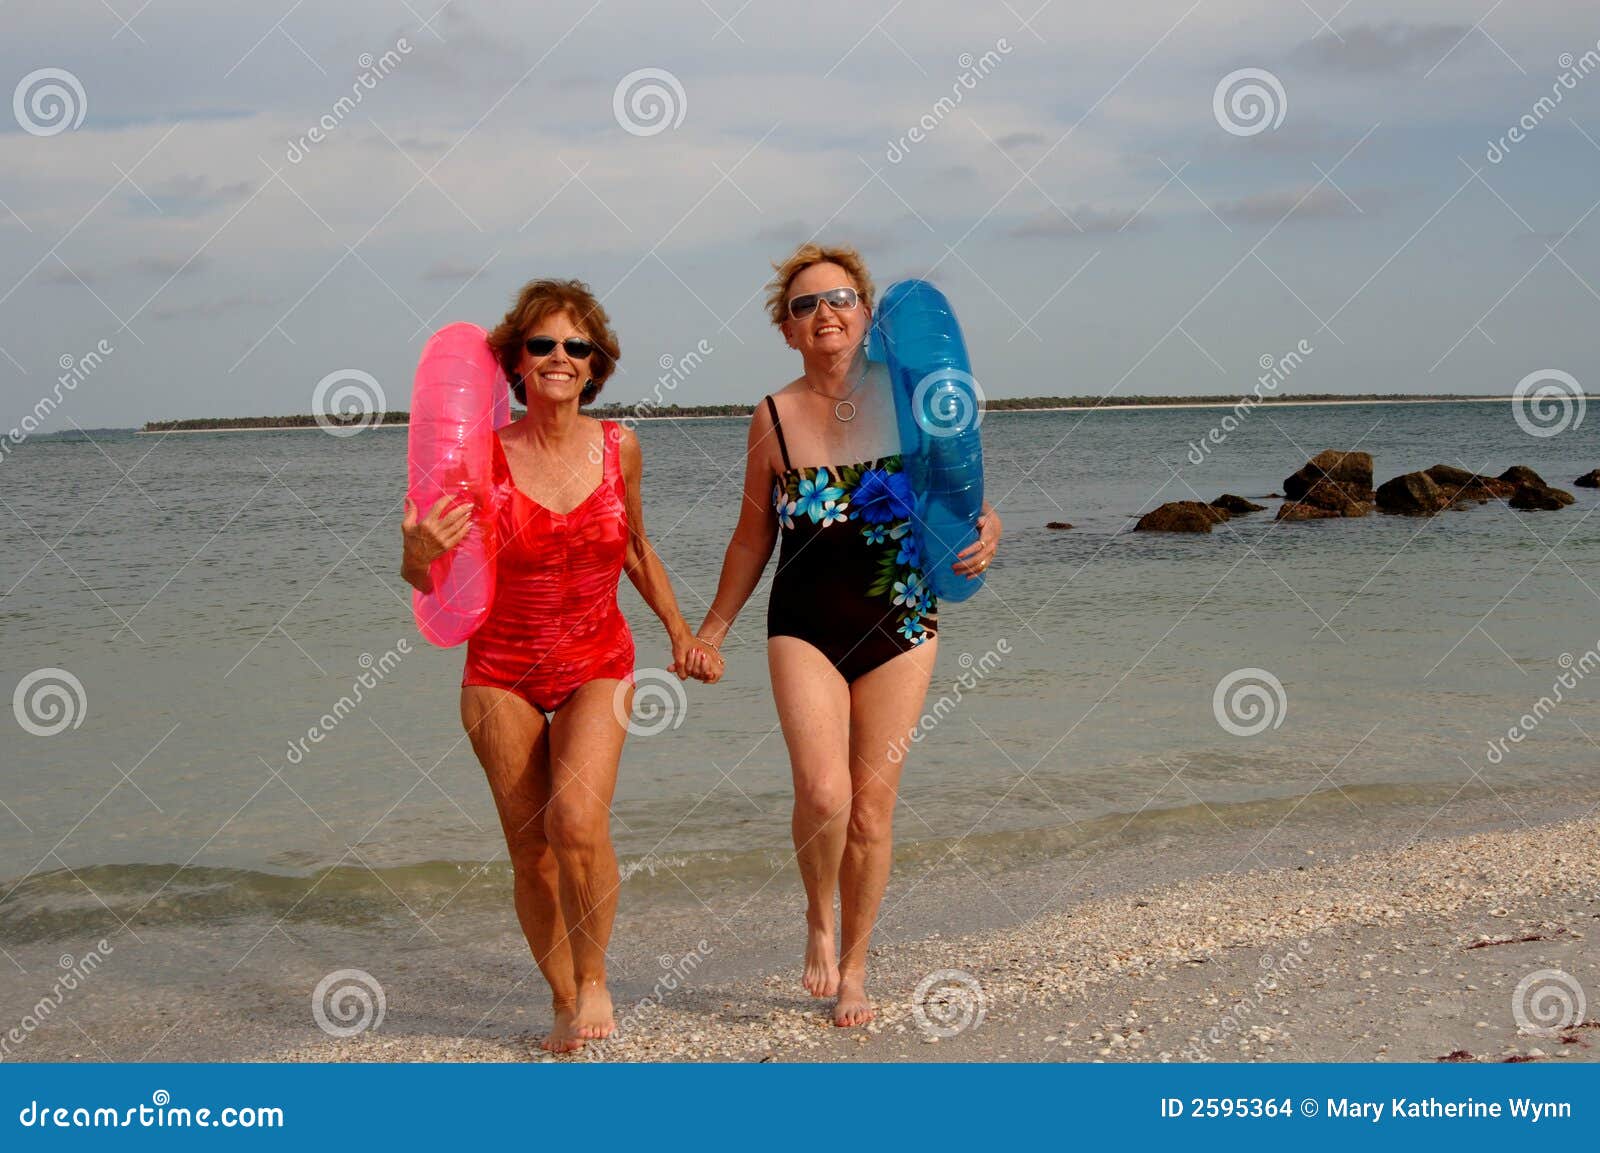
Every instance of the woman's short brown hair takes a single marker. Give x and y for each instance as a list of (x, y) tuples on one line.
[(540, 299), (803, 258)]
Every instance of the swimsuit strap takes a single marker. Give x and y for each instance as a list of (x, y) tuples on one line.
[(611, 469), (777, 427)]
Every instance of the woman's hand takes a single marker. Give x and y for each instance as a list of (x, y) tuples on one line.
[(973, 559), (429, 538), (697, 658)]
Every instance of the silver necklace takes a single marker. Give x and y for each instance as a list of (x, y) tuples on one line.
[(844, 409)]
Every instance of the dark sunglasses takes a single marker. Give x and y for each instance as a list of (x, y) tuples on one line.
[(838, 299), (575, 347)]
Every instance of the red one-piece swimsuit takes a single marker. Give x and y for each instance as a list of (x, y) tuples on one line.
[(554, 624)]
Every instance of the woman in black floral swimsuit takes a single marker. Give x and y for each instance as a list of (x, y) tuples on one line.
[(872, 549), (851, 624)]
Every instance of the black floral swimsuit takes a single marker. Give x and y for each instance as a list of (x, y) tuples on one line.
[(850, 579)]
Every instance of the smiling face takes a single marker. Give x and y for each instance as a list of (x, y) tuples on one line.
[(556, 378), (826, 335)]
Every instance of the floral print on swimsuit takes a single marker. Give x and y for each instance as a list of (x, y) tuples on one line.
[(876, 500)]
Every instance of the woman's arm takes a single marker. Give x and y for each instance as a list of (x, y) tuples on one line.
[(430, 537), (644, 566), (754, 535)]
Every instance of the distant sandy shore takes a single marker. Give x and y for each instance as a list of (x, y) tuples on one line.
[(1223, 403)]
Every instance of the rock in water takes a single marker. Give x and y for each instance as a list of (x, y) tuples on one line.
[(1293, 510), (1351, 469), (1330, 498), (1412, 494), (1231, 504), (1460, 485), (1522, 474), (1057, 524), (1181, 516), (1540, 498), (1589, 480)]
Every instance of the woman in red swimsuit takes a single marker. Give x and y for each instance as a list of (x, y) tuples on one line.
[(547, 690)]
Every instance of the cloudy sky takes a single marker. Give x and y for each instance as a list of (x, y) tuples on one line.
[(1105, 217)]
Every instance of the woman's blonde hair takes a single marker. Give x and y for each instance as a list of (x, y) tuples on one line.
[(803, 258), (537, 301)]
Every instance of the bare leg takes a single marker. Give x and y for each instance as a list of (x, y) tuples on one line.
[(512, 742), (586, 735), (884, 705), (814, 709)]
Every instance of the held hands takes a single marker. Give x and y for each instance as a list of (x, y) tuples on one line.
[(973, 559), (695, 657), (430, 537)]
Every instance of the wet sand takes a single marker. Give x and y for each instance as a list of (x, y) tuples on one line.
[(1400, 936)]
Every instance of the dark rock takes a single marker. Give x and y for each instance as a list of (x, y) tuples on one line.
[(1181, 516), (1293, 510), (1522, 474), (1540, 498), (1412, 494), (1589, 480), (1450, 475), (1229, 503), (1057, 524), (1343, 499), (1460, 485), (1352, 470)]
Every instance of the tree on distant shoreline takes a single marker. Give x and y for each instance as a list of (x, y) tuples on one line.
[(649, 411)]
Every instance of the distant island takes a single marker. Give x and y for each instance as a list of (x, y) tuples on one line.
[(645, 410)]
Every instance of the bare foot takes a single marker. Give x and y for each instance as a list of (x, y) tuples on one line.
[(593, 1019), (853, 1007), (821, 977), (562, 1038)]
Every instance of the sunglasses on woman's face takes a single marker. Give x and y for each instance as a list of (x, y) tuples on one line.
[(838, 299), (575, 347)]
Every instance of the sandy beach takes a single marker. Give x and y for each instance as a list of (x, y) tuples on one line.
[(1412, 954), (1315, 936)]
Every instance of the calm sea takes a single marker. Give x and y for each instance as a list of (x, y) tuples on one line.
[(215, 595)]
